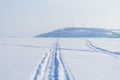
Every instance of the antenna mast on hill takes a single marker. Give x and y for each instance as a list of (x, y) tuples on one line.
[(83, 25), (72, 22)]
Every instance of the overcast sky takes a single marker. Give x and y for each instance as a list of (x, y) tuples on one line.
[(32, 17)]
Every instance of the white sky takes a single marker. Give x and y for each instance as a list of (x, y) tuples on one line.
[(32, 17)]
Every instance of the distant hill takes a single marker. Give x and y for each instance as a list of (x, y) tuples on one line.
[(74, 32)]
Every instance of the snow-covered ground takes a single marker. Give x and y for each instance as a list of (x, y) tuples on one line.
[(87, 59)]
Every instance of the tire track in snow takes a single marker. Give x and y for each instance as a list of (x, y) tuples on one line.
[(34, 46), (48, 73), (95, 48), (30, 46), (52, 67), (65, 67), (40, 66)]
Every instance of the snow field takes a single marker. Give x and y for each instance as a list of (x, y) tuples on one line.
[(20, 63)]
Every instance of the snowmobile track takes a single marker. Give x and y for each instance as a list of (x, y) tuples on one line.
[(98, 49), (52, 66)]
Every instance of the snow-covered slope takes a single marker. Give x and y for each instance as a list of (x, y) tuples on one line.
[(82, 32)]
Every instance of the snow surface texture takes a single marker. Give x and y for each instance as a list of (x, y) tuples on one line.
[(86, 59)]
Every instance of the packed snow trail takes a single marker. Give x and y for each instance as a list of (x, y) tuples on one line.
[(95, 48), (52, 66)]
